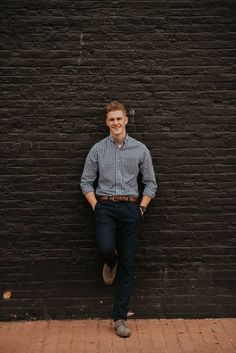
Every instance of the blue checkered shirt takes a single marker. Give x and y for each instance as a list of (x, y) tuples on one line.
[(118, 168)]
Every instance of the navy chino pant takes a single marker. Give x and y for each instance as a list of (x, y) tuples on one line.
[(117, 225)]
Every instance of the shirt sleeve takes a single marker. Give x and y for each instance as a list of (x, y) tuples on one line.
[(90, 171), (148, 174)]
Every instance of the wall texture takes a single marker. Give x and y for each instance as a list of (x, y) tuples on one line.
[(172, 63)]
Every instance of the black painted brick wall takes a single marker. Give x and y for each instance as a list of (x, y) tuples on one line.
[(172, 63)]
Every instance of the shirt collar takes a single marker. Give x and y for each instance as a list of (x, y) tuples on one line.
[(110, 138)]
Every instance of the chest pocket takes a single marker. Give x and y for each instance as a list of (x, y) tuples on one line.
[(130, 166)]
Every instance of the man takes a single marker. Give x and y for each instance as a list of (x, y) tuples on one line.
[(116, 161)]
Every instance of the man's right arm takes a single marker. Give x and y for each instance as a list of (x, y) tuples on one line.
[(91, 198), (89, 175)]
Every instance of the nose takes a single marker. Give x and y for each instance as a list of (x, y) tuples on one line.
[(116, 121)]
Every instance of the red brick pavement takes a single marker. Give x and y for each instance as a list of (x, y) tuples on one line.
[(97, 336)]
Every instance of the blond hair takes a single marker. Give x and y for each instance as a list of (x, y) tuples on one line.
[(113, 106)]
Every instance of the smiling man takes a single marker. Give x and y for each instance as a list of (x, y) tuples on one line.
[(117, 161)]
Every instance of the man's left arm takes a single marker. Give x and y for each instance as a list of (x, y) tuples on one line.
[(148, 179)]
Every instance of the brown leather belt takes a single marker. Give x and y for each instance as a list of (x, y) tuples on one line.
[(118, 198)]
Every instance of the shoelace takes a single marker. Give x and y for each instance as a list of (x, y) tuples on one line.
[(109, 269), (122, 323)]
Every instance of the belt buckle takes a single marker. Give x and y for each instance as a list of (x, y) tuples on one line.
[(115, 198)]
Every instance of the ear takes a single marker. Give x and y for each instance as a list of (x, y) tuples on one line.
[(126, 120)]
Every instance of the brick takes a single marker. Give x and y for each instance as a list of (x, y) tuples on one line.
[(86, 336)]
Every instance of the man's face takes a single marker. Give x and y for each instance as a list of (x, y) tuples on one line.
[(116, 121)]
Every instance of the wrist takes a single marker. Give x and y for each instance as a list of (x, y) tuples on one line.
[(143, 208), (94, 205)]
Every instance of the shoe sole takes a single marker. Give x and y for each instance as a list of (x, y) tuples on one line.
[(123, 336)]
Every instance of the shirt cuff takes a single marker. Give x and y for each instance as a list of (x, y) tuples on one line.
[(86, 188)]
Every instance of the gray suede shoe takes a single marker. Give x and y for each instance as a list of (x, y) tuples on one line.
[(122, 329), (108, 274)]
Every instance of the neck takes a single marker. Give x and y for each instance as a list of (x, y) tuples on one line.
[(120, 138), (119, 141)]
